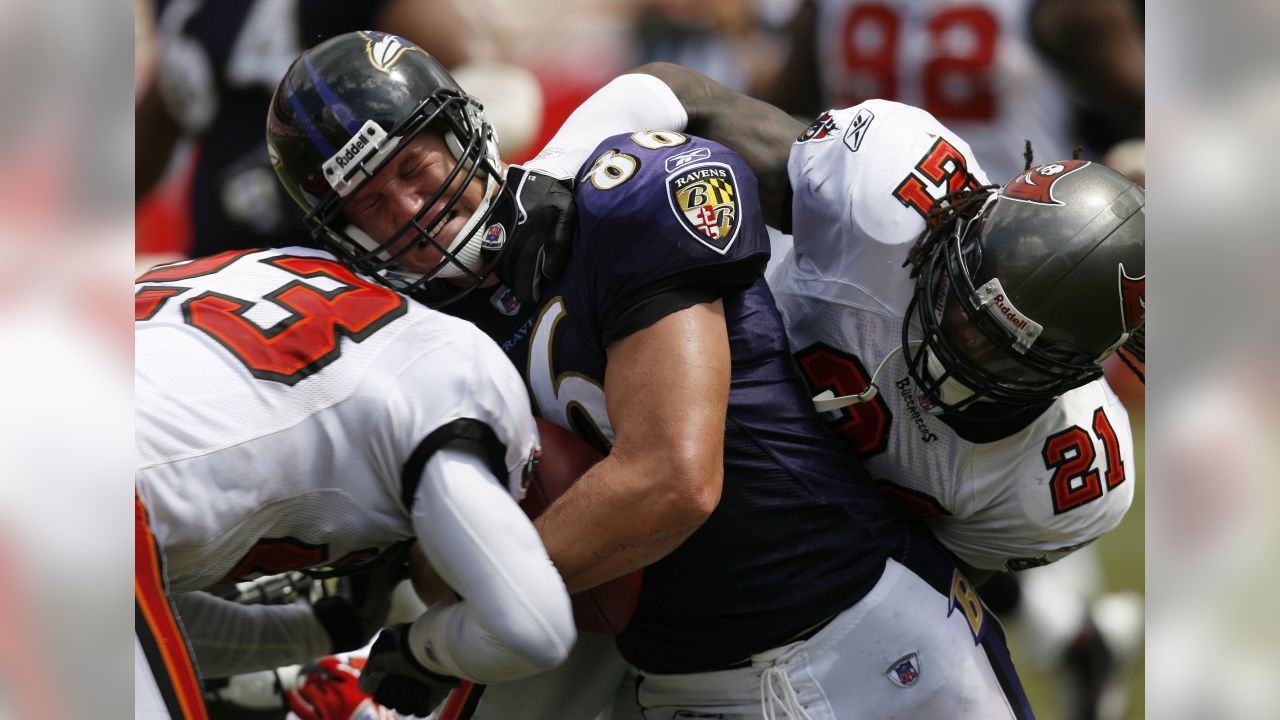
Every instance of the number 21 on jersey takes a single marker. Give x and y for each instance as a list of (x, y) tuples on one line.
[(1070, 455)]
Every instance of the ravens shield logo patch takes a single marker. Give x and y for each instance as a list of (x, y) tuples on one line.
[(705, 199)]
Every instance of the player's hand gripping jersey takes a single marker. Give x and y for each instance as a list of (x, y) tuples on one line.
[(284, 418), (862, 184)]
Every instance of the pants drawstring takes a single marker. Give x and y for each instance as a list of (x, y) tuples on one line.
[(776, 693)]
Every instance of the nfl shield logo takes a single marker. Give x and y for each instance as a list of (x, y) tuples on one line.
[(494, 237), (505, 301), (905, 671)]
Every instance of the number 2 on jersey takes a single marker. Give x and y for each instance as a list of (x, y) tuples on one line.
[(1070, 455)]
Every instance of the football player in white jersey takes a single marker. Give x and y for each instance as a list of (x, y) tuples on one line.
[(962, 363), (997, 72), (295, 415)]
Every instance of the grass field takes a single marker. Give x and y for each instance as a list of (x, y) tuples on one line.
[(1122, 553)]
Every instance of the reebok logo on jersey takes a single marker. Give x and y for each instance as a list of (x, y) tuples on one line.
[(704, 199), (858, 129), (676, 162), (824, 128), (1036, 185)]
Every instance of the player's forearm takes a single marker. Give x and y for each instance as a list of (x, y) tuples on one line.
[(759, 132), (229, 638), (514, 618), (620, 517)]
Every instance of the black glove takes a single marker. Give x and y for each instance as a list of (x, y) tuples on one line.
[(363, 601), (540, 219), (395, 678)]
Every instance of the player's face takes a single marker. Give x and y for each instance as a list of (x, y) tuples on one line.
[(401, 189), (978, 350)]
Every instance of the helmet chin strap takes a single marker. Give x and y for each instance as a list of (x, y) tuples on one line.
[(467, 257), (951, 391), (826, 401)]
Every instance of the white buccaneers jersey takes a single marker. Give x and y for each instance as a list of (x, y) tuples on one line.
[(860, 192), (286, 406), (970, 63)]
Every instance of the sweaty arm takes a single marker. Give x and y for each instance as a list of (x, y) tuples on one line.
[(666, 392), (514, 618), (684, 100)]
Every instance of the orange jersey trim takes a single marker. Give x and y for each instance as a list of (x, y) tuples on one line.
[(157, 628)]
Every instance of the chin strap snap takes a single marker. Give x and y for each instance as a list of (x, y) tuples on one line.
[(826, 401)]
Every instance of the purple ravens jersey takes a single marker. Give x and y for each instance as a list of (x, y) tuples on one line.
[(667, 221)]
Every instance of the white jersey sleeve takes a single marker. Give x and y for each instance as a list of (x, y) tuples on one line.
[(514, 618), (862, 180), (285, 407), (861, 185)]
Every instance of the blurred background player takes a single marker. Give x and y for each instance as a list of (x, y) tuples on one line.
[(997, 72), (741, 43), (216, 64)]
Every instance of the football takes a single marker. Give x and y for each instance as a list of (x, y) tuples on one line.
[(605, 609)]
